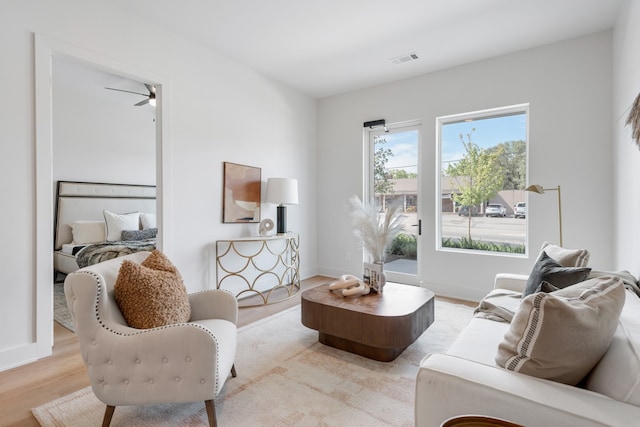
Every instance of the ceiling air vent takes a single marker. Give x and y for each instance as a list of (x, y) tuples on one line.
[(405, 58)]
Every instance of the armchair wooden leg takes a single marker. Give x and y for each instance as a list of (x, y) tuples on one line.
[(108, 414), (211, 412), (233, 370)]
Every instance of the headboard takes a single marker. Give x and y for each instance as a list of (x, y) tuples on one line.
[(86, 201)]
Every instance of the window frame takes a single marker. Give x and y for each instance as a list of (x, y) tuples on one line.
[(469, 117)]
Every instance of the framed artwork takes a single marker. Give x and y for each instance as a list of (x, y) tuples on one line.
[(241, 199)]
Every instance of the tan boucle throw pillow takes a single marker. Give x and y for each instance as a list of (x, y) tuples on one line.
[(151, 294), (562, 335)]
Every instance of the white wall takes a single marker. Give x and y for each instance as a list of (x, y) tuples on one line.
[(568, 86), (218, 111), (626, 209), (98, 135)]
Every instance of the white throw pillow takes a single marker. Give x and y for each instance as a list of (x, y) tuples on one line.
[(566, 257), (117, 222), (85, 232), (561, 336), (148, 220)]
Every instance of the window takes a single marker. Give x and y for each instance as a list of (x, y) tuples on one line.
[(482, 177)]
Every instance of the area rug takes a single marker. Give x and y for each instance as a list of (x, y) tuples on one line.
[(61, 312), (286, 378)]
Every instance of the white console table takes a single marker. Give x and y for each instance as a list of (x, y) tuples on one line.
[(259, 270)]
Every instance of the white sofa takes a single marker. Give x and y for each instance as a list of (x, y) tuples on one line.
[(467, 380)]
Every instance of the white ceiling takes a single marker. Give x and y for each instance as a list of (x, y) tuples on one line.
[(326, 47)]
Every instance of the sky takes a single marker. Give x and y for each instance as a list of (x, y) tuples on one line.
[(488, 132)]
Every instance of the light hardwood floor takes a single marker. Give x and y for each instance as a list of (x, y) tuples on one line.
[(63, 372)]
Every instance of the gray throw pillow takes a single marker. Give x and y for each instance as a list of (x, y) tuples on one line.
[(148, 233), (546, 269)]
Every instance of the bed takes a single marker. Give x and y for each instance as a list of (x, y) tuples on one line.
[(99, 221)]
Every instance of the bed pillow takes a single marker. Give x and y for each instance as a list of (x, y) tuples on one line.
[(566, 257), (151, 294), (116, 223), (561, 336), (149, 233), (147, 220), (86, 232), (546, 269)]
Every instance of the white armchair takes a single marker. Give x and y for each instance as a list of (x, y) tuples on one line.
[(183, 362)]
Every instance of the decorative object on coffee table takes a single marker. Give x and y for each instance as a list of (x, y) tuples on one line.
[(376, 232), (350, 285), (376, 326)]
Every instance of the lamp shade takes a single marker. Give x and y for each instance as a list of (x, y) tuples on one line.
[(282, 191)]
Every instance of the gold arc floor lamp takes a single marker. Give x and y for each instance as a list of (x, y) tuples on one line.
[(538, 189)]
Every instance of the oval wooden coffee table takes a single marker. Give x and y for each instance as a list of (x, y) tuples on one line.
[(377, 326)]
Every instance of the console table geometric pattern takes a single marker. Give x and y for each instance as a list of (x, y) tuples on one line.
[(259, 270)]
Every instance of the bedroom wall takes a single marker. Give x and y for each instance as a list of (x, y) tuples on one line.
[(219, 111), (99, 136), (626, 209), (568, 86)]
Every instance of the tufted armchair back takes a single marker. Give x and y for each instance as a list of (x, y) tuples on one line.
[(183, 362)]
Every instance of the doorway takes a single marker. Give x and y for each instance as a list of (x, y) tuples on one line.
[(46, 50), (394, 170)]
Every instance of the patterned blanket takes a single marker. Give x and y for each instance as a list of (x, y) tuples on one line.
[(500, 305), (99, 252)]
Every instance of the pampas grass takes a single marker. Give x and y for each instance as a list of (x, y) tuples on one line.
[(375, 231), (634, 120)]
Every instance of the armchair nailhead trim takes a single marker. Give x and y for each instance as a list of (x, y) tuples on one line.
[(100, 286)]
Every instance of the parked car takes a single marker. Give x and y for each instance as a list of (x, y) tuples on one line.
[(495, 209), (464, 211), (520, 211)]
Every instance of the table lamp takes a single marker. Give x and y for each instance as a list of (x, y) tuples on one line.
[(282, 191)]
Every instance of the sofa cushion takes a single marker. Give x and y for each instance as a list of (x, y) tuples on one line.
[(562, 335), (151, 294), (566, 257), (478, 341), (547, 269), (617, 375)]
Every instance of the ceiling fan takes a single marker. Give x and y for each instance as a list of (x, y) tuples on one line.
[(151, 96)]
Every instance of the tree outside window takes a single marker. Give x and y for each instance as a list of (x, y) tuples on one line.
[(482, 171)]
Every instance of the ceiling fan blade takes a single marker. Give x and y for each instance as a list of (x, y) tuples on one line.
[(128, 91), (144, 101)]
